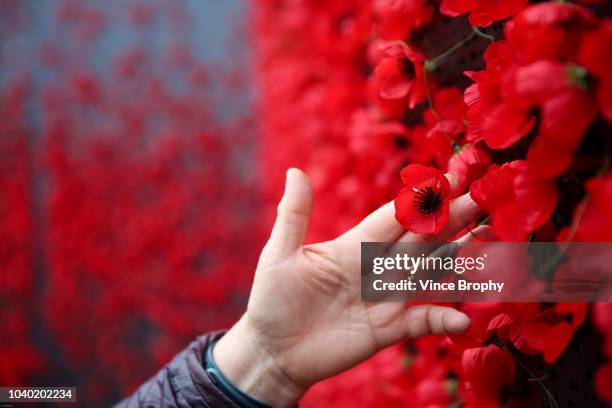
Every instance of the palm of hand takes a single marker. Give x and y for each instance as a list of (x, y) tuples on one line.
[(306, 307)]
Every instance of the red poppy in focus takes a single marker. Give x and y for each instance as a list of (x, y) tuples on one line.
[(400, 75), (470, 164), (422, 205), (483, 12), (518, 201)]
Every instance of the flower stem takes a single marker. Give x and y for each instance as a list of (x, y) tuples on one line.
[(551, 398), (432, 64), (428, 93), (482, 34)]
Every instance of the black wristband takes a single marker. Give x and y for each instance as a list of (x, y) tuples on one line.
[(225, 385)]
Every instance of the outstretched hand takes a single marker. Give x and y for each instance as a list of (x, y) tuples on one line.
[(305, 320)]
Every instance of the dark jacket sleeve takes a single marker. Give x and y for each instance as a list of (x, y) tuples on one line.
[(182, 383)]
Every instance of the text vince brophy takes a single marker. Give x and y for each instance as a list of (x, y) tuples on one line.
[(431, 285)]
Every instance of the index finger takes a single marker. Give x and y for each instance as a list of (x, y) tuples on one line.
[(379, 226)]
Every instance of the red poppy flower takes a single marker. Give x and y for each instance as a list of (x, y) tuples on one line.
[(448, 105), (483, 12), (400, 75), (518, 202), (505, 124), (443, 136), (487, 371), (562, 95), (603, 382), (552, 330), (549, 30), (398, 18), (602, 316), (422, 205), (470, 164), (558, 94), (494, 320), (548, 158), (602, 320), (484, 96), (596, 57), (592, 216)]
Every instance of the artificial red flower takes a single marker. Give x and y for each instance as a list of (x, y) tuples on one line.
[(505, 124), (548, 30), (484, 96), (548, 158), (603, 382), (380, 148), (596, 57), (400, 75), (442, 139), (493, 322), (551, 331), (398, 18), (422, 205), (602, 317), (592, 218), (518, 202), (447, 104), (528, 328), (435, 392), (487, 372), (602, 320), (562, 95), (427, 153), (483, 12), (556, 94), (469, 164)]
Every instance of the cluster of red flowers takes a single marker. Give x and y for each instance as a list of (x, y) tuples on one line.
[(21, 359), (358, 93), (128, 209)]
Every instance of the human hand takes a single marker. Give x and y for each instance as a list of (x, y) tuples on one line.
[(305, 320)]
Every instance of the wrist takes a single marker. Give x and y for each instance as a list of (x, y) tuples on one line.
[(250, 366)]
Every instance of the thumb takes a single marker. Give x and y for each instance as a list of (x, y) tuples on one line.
[(293, 216)]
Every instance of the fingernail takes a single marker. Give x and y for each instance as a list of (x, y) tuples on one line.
[(453, 179), (471, 204), (458, 322), (290, 177), (292, 171)]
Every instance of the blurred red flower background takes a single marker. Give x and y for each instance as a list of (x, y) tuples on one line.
[(137, 188)]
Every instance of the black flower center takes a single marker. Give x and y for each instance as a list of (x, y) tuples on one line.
[(427, 200), (407, 67), (400, 142)]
